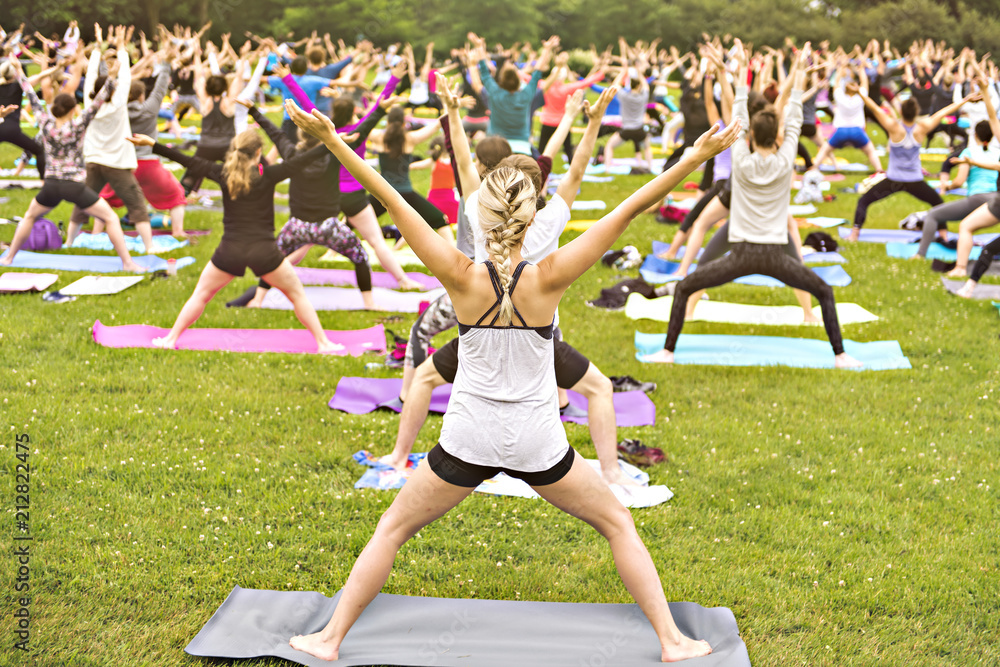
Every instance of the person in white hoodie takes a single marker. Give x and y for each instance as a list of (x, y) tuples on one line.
[(110, 158)]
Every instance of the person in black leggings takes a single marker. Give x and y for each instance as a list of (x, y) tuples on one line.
[(10, 124)]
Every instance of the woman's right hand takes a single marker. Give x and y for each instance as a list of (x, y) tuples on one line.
[(141, 140)]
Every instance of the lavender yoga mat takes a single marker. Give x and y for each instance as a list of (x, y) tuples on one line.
[(358, 395), (310, 276), (354, 343), (345, 298)]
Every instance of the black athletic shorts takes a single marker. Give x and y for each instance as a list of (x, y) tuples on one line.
[(56, 190), (993, 206), (726, 196), (456, 471), (352, 203), (808, 130), (636, 136), (570, 365), (261, 257)]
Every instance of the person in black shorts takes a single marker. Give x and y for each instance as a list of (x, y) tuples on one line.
[(248, 229)]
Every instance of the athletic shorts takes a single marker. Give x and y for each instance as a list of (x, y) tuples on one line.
[(352, 203), (726, 196), (808, 130), (235, 258), (993, 206), (56, 190), (849, 136), (636, 136), (160, 188), (570, 365), (469, 475)]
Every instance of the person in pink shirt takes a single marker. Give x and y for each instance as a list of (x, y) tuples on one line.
[(557, 89)]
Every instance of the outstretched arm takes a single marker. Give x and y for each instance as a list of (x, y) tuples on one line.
[(570, 185), (439, 255), (468, 176), (568, 263)]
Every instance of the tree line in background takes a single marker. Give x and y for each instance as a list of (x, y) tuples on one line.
[(973, 23)]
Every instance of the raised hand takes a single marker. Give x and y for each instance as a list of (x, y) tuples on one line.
[(317, 124), (714, 142), (449, 98), (140, 140), (596, 111)]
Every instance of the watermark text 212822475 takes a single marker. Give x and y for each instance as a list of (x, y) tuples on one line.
[(22, 542)]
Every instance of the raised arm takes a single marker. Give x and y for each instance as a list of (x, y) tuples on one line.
[(570, 184), (197, 167), (285, 146), (439, 255), (569, 262), (929, 123), (468, 176), (416, 137)]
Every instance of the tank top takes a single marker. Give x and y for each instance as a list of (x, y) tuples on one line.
[(442, 176), (504, 406), (904, 159), (396, 171), (10, 94), (217, 129)]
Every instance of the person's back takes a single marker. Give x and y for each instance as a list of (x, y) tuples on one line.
[(904, 158)]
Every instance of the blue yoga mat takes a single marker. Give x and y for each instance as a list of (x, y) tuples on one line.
[(935, 251), (811, 258), (907, 236), (132, 243), (656, 270), (721, 350), (91, 263)]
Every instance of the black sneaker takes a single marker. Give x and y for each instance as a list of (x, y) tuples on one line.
[(629, 383)]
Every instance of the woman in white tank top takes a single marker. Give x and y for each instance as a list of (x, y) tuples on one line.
[(506, 416)]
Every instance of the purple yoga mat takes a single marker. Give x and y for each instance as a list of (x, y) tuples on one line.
[(358, 395), (354, 343), (166, 232), (310, 276), (348, 298)]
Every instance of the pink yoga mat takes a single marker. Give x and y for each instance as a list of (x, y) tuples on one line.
[(354, 343), (26, 282), (347, 277), (359, 395)]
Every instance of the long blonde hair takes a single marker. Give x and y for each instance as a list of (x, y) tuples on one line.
[(240, 169), (506, 208)]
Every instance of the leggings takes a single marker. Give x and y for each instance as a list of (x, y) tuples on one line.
[(332, 234), (939, 217), (804, 154), (547, 132), (888, 187), (25, 143), (709, 195), (437, 317), (745, 259), (431, 214), (990, 250)]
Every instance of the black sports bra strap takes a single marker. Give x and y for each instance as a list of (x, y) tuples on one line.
[(517, 276), (497, 288)]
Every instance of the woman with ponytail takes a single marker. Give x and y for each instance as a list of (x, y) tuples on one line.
[(248, 228), (504, 413)]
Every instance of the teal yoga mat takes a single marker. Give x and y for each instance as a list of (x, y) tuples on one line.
[(935, 251), (91, 263), (723, 350)]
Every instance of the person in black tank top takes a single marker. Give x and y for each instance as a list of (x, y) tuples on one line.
[(10, 124)]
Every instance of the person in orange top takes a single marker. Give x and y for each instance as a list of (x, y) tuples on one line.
[(442, 192), (558, 88)]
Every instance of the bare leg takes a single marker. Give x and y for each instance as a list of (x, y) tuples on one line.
[(145, 230), (869, 150), (258, 298), (981, 218), (609, 149), (103, 212), (212, 279), (424, 498), (72, 231), (297, 255), (417, 403), (597, 389), (177, 223), (679, 238), (367, 224), (647, 151), (710, 215), (582, 494), (805, 302), (23, 231), (285, 279)]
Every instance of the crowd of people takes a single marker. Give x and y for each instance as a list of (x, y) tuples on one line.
[(486, 228)]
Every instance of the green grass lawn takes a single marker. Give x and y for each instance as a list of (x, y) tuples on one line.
[(847, 518)]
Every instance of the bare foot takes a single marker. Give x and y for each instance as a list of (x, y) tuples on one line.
[(314, 645), (618, 477), (132, 267), (661, 357), (854, 235), (399, 465), (165, 343), (666, 254), (7, 260), (371, 305), (256, 301), (684, 649), (327, 347), (181, 236), (967, 289), (958, 272), (809, 317), (407, 283), (844, 360)]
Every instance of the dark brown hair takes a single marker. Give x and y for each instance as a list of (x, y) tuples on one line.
[(489, 152), (508, 78), (764, 126), (62, 105)]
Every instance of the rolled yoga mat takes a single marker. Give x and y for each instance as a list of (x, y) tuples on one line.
[(348, 298), (26, 282), (91, 263), (656, 270), (384, 477), (100, 285), (310, 276), (981, 291), (454, 632), (639, 307), (720, 350), (354, 343), (360, 395), (134, 244), (809, 256)]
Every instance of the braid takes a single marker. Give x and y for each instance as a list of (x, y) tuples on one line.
[(506, 207)]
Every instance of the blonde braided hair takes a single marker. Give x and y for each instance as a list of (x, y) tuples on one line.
[(506, 208)]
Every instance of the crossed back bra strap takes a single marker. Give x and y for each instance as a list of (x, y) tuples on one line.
[(498, 290)]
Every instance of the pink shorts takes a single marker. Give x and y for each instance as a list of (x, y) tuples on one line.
[(159, 186), (446, 202)]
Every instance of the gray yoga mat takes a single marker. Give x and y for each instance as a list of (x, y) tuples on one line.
[(981, 291), (417, 631)]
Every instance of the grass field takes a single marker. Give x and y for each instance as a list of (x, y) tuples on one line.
[(847, 518)]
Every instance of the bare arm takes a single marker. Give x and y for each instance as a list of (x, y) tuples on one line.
[(468, 176), (570, 184)]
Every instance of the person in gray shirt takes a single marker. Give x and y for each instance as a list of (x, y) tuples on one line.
[(633, 100)]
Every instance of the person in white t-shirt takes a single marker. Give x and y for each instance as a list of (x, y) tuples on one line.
[(849, 118)]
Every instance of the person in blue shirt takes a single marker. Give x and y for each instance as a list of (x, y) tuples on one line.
[(310, 83)]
